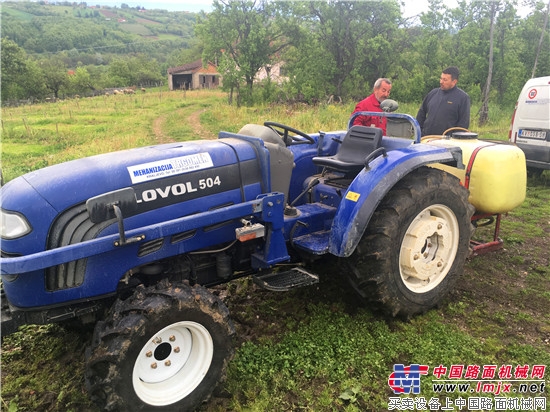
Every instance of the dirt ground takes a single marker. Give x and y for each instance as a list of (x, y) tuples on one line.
[(193, 120), (501, 301), (504, 294), (501, 295), (499, 287)]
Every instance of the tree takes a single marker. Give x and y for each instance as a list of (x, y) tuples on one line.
[(21, 77), (79, 82), (134, 70), (528, 35), (146, 71), (541, 39), (435, 44), (328, 48), (484, 111), (245, 33), (346, 43), (13, 60), (55, 74), (119, 73), (232, 77), (508, 68)]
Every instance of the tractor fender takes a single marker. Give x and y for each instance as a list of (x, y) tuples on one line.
[(373, 183)]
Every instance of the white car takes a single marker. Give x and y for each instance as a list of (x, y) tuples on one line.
[(530, 127)]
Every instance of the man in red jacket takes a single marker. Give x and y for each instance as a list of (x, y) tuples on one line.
[(381, 91)]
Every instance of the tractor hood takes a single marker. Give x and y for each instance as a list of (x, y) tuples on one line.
[(47, 208), (149, 168)]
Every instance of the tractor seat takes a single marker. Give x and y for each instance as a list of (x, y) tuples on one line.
[(265, 133), (359, 142), (281, 159)]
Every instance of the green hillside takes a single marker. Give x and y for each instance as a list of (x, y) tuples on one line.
[(333, 50), (79, 30)]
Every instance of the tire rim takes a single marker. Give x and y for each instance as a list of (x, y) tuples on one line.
[(429, 248), (172, 363)]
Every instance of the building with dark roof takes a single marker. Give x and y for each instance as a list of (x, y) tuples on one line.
[(193, 76)]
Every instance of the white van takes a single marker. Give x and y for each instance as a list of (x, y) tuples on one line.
[(530, 128)]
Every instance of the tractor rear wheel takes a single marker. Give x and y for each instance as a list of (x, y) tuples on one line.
[(163, 349), (415, 245)]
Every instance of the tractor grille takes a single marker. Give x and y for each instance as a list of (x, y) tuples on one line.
[(72, 226), (180, 237), (150, 247)]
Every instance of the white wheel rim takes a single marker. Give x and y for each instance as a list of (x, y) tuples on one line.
[(172, 363), (429, 248)]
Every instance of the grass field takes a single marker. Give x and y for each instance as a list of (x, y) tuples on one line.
[(311, 349)]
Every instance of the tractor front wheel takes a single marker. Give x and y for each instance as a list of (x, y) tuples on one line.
[(163, 349), (415, 245)]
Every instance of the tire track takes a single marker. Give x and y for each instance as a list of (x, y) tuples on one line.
[(193, 120)]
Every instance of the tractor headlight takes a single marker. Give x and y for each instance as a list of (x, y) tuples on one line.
[(14, 225)]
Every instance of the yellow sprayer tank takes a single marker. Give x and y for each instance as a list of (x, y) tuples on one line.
[(495, 171)]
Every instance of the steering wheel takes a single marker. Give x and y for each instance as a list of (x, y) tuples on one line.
[(283, 131), (451, 129), (431, 137)]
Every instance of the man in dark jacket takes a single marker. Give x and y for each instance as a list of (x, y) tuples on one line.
[(444, 107)]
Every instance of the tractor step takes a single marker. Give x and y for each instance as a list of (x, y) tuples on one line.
[(284, 281), (316, 242)]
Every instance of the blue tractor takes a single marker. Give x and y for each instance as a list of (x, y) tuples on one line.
[(132, 241)]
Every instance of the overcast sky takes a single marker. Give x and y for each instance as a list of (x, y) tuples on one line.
[(412, 7)]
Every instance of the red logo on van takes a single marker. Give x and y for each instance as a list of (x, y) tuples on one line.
[(532, 93)]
